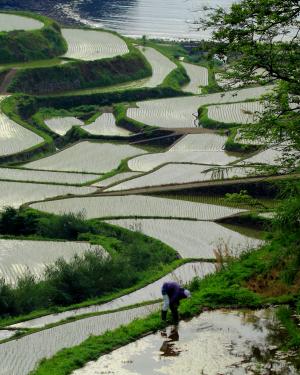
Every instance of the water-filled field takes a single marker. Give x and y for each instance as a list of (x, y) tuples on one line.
[(136, 205), (161, 66), (200, 142), (11, 22), (271, 156), (17, 193), (172, 174), (198, 77), (105, 124), (151, 292), (216, 342), (197, 239), (19, 256), (20, 356), (61, 125), (87, 157), (146, 163), (239, 113), (182, 112), (14, 137), (93, 45), (116, 178), (15, 174)]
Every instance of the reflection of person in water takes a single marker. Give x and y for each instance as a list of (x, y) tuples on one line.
[(168, 348), (172, 293)]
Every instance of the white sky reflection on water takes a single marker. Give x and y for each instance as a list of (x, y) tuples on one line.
[(168, 19)]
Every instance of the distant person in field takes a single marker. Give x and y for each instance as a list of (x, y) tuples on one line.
[(172, 294)]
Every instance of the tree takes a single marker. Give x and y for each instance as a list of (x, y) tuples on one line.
[(261, 40)]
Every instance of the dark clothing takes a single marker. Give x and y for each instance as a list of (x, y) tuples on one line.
[(174, 292)]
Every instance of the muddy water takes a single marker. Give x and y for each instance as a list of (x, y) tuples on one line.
[(219, 342)]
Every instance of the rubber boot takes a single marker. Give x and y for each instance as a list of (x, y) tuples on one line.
[(163, 315)]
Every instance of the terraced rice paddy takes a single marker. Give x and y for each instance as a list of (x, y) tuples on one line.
[(20, 356), (146, 163), (17, 193), (116, 178), (61, 125), (173, 174), (216, 342), (14, 137), (91, 45), (17, 257), (106, 125), (136, 205), (198, 77), (161, 66), (87, 157), (197, 239), (5, 334), (270, 156), (182, 112), (11, 22), (240, 138), (14, 174), (194, 148), (200, 142), (151, 292), (238, 113)]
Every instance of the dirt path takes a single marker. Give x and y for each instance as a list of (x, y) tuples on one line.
[(7, 80)]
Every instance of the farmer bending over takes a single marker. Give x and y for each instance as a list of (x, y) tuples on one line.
[(172, 294)]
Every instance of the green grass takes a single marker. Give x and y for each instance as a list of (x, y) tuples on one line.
[(42, 44), (227, 288), (33, 64), (285, 316), (79, 75), (9, 108)]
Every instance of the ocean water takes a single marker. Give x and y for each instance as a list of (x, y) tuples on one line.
[(166, 19)]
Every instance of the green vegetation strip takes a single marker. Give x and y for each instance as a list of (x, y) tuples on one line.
[(82, 74), (9, 107), (22, 46), (224, 289)]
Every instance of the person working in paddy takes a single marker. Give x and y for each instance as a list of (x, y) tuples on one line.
[(172, 293)]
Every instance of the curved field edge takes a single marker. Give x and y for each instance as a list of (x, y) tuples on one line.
[(78, 75), (22, 109), (153, 275), (227, 288), (9, 107), (40, 44)]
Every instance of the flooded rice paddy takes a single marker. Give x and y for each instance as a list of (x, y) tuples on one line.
[(217, 342), (14, 137), (197, 239), (20, 356), (87, 157), (18, 257), (136, 206), (17, 193), (183, 274)]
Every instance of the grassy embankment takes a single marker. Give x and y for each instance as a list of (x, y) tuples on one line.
[(231, 130), (134, 261), (41, 44), (269, 275), (200, 55), (9, 107), (77, 75)]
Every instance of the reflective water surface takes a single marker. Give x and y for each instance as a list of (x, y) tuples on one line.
[(169, 19), (217, 342)]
